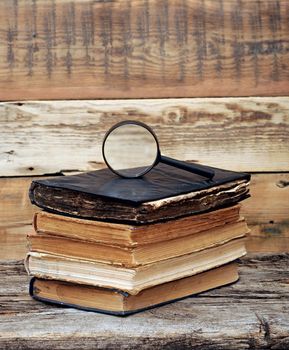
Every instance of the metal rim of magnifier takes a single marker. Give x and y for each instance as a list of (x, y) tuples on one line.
[(131, 122)]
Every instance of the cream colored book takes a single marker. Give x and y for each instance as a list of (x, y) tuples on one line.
[(132, 280)]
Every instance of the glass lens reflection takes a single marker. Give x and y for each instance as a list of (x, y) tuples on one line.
[(130, 147)]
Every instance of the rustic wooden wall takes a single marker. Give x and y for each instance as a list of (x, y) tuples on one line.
[(243, 134), (143, 48), (211, 49)]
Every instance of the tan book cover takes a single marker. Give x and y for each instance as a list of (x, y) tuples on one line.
[(129, 234), (138, 255)]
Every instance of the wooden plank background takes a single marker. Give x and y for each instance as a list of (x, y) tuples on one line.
[(266, 211), (234, 56), (242, 134), (143, 48), (146, 48)]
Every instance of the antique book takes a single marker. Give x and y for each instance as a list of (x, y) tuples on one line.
[(165, 192), (138, 255), (118, 302), (130, 235), (132, 280)]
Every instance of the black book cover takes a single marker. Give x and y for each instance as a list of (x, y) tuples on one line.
[(92, 194)]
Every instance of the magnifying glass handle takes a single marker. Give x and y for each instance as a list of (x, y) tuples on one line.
[(193, 168)]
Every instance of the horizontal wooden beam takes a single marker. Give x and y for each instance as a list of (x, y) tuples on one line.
[(143, 48), (266, 212), (245, 134), (268, 205)]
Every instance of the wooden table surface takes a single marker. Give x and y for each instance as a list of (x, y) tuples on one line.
[(250, 314)]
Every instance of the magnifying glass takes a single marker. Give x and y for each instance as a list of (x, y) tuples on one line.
[(131, 149)]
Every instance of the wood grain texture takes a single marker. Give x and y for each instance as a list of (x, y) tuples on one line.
[(269, 243), (143, 48), (13, 242), (15, 207), (16, 214), (251, 314), (268, 205), (245, 134), (266, 213), (269, 202)]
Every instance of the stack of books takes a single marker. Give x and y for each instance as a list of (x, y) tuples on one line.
[(119, 246)]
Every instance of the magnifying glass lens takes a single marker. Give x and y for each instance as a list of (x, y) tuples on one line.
[(130, 150)]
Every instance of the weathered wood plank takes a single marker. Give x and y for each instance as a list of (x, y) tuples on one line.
[(268, 205), (13, 242), (266, 212), (269, 243), (143, 48), (15, 207), (246, 134), (269, 201), (251, 314)]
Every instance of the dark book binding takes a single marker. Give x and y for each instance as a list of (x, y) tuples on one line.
[(102, 188)]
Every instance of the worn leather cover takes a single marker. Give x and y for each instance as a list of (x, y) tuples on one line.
[(161, 182)]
